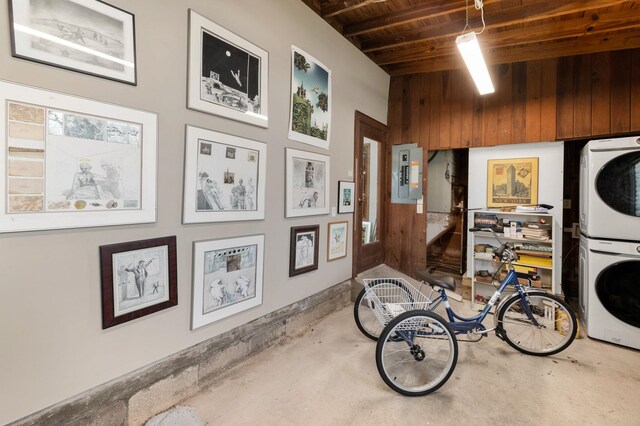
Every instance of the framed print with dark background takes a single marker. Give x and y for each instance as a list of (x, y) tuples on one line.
[(138, 278), (303, 252), (88, 36), (228, 75)]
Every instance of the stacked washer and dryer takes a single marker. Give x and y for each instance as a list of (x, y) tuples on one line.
[(610, 240)]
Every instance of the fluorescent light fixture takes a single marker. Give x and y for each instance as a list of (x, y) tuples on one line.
[(472, 55)]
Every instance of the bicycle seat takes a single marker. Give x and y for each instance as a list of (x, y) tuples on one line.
[(442, 281)]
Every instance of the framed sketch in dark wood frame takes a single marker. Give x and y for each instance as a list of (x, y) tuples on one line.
[(88, 36), (303, 253), (346, 196), (138, 278)]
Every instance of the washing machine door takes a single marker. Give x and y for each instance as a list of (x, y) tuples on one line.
[(618, 184), (618, 289)]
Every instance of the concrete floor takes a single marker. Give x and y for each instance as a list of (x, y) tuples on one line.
[(328, 376)]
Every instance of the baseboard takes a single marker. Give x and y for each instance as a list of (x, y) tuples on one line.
[(137, 396)]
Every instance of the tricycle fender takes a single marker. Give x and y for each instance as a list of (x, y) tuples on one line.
[(515, 295)]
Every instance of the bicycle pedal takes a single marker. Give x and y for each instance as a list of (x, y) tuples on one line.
[(501, 333)]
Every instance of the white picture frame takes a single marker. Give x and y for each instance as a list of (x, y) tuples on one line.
[(310, 85), (70, 162), (228, 75), (224, 177), (337, 240), (346, 196), (219, 292), (88, 36), (307, 183)]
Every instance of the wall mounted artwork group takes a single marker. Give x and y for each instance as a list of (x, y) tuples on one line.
[(70, 162)]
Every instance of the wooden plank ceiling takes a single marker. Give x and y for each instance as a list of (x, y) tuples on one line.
[(415, 36)]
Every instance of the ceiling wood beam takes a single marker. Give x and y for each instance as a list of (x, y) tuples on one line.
[(541, 9), (334, 8), (416, 13), (547, 31), (530, 52)]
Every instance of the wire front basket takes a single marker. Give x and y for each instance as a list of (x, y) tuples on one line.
[(389, 297)]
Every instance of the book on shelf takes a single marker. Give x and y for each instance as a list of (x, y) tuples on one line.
[(534, 253), (546, 262)]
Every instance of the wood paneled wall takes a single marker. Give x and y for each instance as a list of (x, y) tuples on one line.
[(567, 98)]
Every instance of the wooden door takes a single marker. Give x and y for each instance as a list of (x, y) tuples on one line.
[(369, 175)]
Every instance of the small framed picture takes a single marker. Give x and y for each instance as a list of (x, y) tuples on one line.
[(224, 177), (307, 183), (346, 196), (303, 254), (337, 238), (227, 277), (366, 232), (138, 278), (87, 36), (228, 75)]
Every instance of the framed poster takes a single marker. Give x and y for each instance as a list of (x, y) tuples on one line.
[(337, 238), (346, 196), (310, 112), (89, 36), (303, 253), (138, 278), (512, 182), (307, 183), (225, 177), (69, 162), (228, 75), (227, 277)]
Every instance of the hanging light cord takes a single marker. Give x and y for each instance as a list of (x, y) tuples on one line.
[(479, 6)]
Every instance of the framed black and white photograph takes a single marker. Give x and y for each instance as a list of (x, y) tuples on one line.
[(310, 111), (228, 75), (225, 177), (89, 36), (138, 278), (69, 162), (346, 196), (303, 252), (337, 239), (227, 277), (307, 183)]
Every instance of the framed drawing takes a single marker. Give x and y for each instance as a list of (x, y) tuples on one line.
[(138, 278), (337, 237), (512, 182), (310, 112), (227, 277), (224, 177), (228, 75), (303, 253), (69, 162), (307, 183), (88, 36), (346, 196)]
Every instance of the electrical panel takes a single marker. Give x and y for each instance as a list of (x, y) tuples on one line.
[(406, 174)]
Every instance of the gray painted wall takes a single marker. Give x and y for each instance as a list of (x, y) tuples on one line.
[(53, 346)]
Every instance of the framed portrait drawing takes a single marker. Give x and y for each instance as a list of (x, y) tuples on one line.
[(512, 182), (228, 75), (69, 162), (307, 183), (310, 112), (227, 277), (88, 36), (303, 253), (346, 196), (337, 238), (224, 178), (138, 278)]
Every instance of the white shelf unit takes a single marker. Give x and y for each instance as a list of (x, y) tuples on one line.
[(550, 275)]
